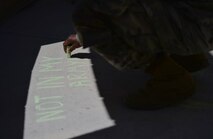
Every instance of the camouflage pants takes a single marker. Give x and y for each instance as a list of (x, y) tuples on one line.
[(128, 33)]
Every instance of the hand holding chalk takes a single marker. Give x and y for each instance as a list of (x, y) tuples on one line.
[(70, 49), (71, 44)]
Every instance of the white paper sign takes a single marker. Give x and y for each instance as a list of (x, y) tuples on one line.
[(63, 100)]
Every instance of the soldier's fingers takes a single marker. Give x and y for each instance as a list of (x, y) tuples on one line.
[(65, 48), (67, 42)]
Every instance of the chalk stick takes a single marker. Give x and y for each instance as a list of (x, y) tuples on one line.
[(68, 53)]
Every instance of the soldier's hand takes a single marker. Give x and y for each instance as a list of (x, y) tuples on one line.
[(71, 43)]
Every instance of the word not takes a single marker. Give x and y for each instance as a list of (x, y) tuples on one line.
[(48, 108)]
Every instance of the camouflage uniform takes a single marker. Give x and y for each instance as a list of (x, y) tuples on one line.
[(128, 33)]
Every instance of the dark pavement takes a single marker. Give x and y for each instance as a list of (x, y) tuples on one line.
[(49, 21)]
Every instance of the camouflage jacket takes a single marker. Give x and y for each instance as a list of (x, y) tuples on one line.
[(180, 26)]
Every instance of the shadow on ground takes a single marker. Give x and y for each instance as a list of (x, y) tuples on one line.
[(191, 119)]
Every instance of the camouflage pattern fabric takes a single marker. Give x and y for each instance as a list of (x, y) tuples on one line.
[(129, 33)]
